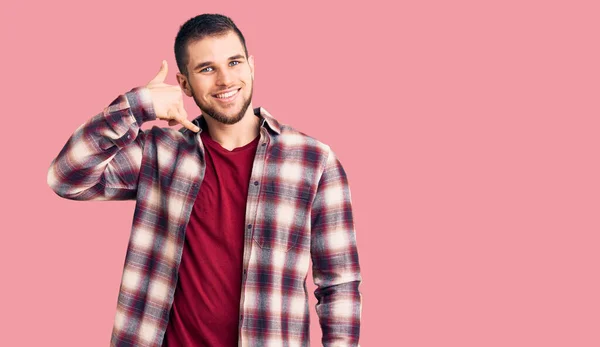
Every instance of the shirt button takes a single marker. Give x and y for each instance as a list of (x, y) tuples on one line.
[(245, 271), (241, 318), (249, 226), (255, 183), (264, 144)]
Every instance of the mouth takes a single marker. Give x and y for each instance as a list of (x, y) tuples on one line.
[(227, 96)]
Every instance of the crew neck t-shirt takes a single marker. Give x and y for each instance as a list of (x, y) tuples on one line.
[(205, 309)]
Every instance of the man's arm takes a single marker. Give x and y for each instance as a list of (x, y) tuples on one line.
[(102, 158), (336, 270)]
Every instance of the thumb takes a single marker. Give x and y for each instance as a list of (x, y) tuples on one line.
[(162, 73)]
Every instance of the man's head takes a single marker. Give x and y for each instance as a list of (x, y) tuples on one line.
[(214, 66)]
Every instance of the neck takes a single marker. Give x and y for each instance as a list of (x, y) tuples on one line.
[(231, 136)]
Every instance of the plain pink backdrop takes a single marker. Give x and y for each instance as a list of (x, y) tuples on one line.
[(468, 129)]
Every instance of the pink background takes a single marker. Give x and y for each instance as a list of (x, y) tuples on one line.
[(468, 129)]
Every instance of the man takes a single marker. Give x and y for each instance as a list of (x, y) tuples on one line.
[(230, 209)]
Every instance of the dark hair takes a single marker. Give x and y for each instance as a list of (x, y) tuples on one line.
[(198, 28)]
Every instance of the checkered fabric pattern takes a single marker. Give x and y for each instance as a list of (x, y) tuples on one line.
[(298, 212)]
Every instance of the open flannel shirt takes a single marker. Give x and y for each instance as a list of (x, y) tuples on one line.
[(298, 209)]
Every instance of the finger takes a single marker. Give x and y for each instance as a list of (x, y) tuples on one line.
[(181, 110), (162, 73), (176, 117), (185, 122), (172, 115)]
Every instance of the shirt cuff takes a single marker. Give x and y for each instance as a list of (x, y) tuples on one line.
[(140, 103)]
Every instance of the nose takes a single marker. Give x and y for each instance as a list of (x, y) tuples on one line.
[(224, 77)]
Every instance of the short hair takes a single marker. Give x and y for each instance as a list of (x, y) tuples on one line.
[(199, 27)]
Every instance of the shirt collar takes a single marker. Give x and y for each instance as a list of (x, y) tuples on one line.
[(267, 119)]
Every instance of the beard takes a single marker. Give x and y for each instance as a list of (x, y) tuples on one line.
[(221, 117)]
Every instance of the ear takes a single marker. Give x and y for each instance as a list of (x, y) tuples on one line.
[(251, 64), (183, 83)]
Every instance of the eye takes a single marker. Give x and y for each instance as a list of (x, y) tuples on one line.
[(206, 69), (234, 62)]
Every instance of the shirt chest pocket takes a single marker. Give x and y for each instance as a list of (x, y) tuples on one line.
[(281, 221)]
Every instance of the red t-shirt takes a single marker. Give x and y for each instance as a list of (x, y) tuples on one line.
[(205, 309)]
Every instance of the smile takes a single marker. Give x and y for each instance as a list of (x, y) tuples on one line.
[(228, 96)]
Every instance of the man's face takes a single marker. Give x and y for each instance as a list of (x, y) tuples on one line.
[(219, 77)]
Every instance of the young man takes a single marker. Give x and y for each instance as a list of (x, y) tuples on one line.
[(230, 209)]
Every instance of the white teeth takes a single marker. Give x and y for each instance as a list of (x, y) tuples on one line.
[(226, 95)]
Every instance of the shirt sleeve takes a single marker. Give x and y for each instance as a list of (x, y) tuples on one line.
[(102, 158), (334, 253)]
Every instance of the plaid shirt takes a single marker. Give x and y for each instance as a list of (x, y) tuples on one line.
[(298, 210)]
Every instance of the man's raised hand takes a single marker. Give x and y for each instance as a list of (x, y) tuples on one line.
[(168, 100)]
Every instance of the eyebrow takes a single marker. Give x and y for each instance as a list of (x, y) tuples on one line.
[(206, 63)]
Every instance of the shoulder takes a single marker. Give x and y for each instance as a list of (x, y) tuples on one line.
[(294, 144), (292, 137)]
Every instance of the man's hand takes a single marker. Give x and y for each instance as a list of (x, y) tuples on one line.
[(168, 100)]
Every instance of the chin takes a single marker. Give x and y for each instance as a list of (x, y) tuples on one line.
[(226, 115)]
